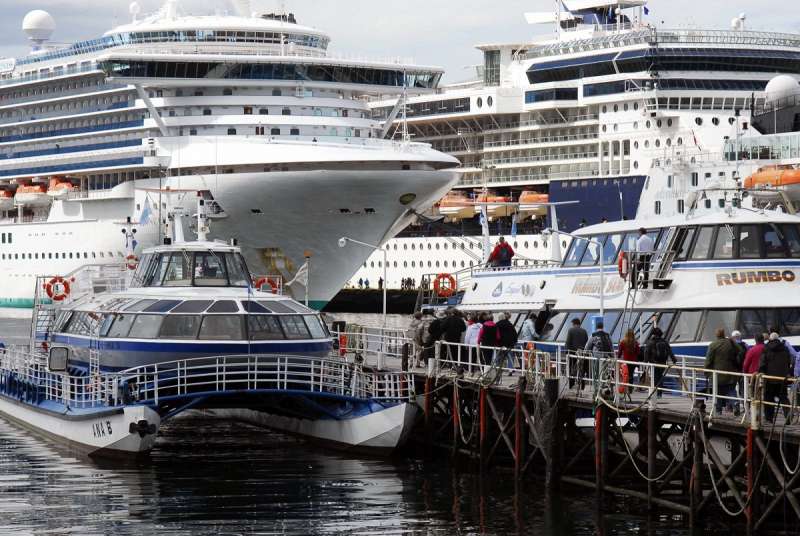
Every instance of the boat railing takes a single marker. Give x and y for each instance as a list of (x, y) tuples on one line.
[(607, 379), (373, 345)]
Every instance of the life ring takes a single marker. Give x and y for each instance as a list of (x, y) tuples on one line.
[(444, 285), (261, 281), (623, 265), (57, 288), (132, 261), (530, 351), (624, 378)]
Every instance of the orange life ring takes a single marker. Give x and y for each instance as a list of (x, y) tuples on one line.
[(57, 288), (132, 261), (529, 352), (261, 281), (444, 285), (624, 378), (623, 265)]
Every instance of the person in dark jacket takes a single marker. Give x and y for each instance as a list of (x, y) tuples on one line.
[(488, 338), (723, 355), (576, 342), (508, 340), (501, 254), (453, 328), (775, 361), (658, 351), (601, 347)]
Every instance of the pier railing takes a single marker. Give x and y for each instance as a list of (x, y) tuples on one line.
[(373, 346)]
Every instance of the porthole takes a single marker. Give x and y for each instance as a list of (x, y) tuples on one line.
[(659, 123), (615, 127), (605, 108), (535, 245), (413, 247), (635, 125), (635, 105), (616, 107), (669, 122), (480, 102), (405, 264), (698, 121), (625, 106), (405, 246), (658, 143), (604, 128), (444, 264), (680, 141), (731, 120), (437, 246), (646, 144), (669, 142), (489, 101), (526, 244), (647, 124), (636, 145), (635, 164), (715, 121)]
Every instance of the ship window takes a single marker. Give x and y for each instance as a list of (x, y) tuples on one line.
[(702, 244), (792, 239), (264, 328), (231, 132), (171, 271), (145, 327), (192, 306), (294, 132), (263, 111), (248, 110), (162, 306), (180, 327), (773, 242), (275, 306), (121, 326), (749, 248), (276, 92), (610, 248), (685, 326), (222, 327), (723, 248), (275, 132), (716, 320), (592, 254), (576, 249), (294, 327), (140, 305), (296, 307), (224, 306), (562, 335), (254, 307), (209, 270), (315, 327), (286, 111), (206, 111)]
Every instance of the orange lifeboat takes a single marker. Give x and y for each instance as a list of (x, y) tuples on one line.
[(59, 188), (782, 177), (6, 200), (456, 205), (532, 204), (496, 205), (32, 195)]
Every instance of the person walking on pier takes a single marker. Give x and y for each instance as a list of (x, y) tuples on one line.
[(775, 361), (360, 282), (508, 340), (453, 328), (489, 339), (658, 351), (752, 359), (576, 341), (723, 355), (471, 337), (527, 332), (601, 347)]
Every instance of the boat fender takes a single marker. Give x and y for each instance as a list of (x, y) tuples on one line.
[(143, 428), (132, 261), (623, 264), (444, 285), (58, 288)]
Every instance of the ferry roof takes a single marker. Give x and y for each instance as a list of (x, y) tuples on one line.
[(222, 247)]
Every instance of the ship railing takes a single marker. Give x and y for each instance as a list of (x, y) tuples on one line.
[(373, 345), (540, 139), (606, 378)]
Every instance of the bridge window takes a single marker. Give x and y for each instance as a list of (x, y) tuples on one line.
[(683, 249), (222, 327), (749, 247), (294, 327), (702, 245), (180, 327), (575, 253), (315, 327), (725, 242), (145, 327), (264, 328), (121, 326)]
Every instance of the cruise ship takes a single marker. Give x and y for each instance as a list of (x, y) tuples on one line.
[(579, 114), (103, 141)]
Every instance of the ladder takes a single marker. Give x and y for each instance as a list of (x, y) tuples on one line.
[(43, 316)]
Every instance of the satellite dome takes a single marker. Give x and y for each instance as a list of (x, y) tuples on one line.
[(38, 25), (781, 86)]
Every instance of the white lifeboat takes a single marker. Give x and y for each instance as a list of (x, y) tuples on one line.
[(60, 188), (32, 195), (532, 204), (6, 200)]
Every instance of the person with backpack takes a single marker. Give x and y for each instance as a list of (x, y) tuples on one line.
[(488, 339), (628, 350), (508, 340), (501, 254), (723, 355), (601, 347), (576, 341), (421, 338), (658, 351), (775, 361)]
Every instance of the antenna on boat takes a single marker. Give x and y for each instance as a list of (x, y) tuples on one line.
[(404, 121), (202, 219)]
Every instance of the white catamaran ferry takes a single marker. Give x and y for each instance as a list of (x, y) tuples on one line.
[(98, 138)]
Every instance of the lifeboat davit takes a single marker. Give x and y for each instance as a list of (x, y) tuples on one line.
[(60, 188), (532, 204), (496, 205), (6, 200), (32, 195), (781, 177), (456, 205)]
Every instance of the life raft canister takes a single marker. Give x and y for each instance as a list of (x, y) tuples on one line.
[(444, 285), (57, 288), (623, 264)]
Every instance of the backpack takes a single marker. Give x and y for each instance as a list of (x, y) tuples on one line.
[(661, 351), (490, 335), (503, 255), (602, 342)]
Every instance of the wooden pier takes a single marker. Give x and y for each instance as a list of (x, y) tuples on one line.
[(673, 452)]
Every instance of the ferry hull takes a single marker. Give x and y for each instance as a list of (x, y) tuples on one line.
[(380, 432), (95, 433)]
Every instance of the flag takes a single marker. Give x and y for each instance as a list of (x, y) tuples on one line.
[(301, 276), (646, 10), (487, 246), (514, 225), (144, 219)]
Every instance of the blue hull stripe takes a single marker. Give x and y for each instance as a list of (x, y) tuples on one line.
[(199, 347)]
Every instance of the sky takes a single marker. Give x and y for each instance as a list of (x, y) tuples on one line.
[(433, 32)]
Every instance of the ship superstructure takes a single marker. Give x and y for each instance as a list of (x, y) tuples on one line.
[(580, 115), (249, 111)]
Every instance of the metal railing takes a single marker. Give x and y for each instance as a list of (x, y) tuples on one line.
[(372, 346)]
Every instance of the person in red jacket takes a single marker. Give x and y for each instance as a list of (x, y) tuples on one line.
[(752, 360), (501, 254)]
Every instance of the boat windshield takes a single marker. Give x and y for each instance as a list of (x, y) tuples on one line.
[(199, 268)]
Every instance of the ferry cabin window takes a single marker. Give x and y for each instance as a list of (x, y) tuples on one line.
[(145, 327), (224, 306), (162, 306), (222, 328), (180, 327), (774, 245), (294, 327), (121, 326), (209, 270), (576, 250), (792, 239), (685, 327), (237, 270), (254, 307), (264, 328), (315, 327), (275, 306), (552, 326), (714, 321), (193, 306), (748, 242), (724, 248), (610, 248), (592, 253), (562, 335), (629, 242), (702, 244)]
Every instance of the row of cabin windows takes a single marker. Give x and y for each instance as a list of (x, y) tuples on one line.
[(5, 238), (680, 326), (225, 327), (57, 255), (746, 241)]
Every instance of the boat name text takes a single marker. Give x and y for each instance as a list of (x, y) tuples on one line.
[(761, 276)]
